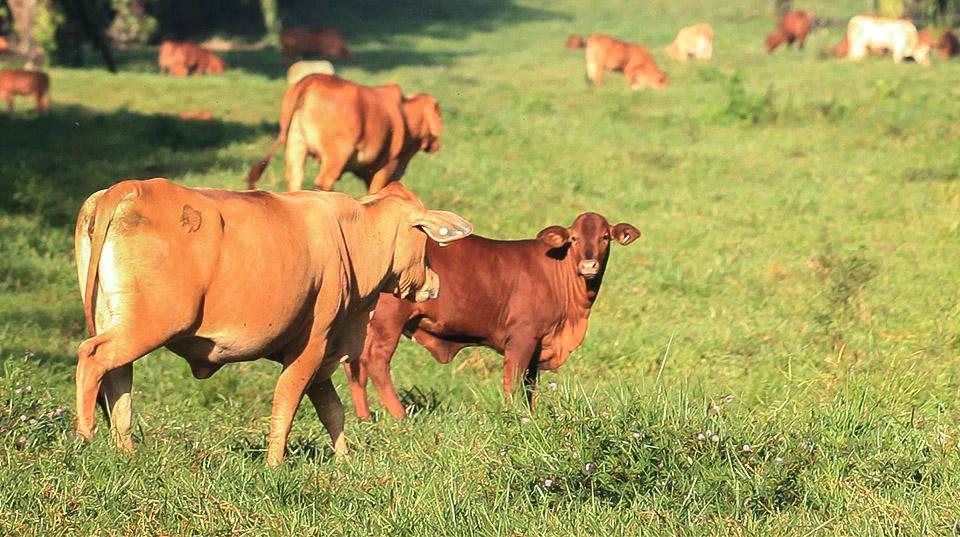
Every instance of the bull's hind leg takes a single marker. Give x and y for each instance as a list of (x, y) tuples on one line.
[(105, 353), (383, 335), (115, 397), (332, 162)]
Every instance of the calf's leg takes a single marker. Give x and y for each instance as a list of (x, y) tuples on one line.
[(519, 353)]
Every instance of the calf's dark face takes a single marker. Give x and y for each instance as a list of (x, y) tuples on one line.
[(588, 241)]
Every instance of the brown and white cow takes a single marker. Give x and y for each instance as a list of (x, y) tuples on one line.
[(529, 300), (371, 131), (694, 42), (946, 44), (605, 53), (792, 28), (220, 277), (26, 83), (323, 42)]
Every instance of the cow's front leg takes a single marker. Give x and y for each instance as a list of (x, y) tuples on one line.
[(519, 353), (296, 376), (330, 411)]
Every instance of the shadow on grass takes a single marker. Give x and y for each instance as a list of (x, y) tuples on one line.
[(49, 165)]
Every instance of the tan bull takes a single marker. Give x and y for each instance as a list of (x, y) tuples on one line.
[(220, 277)]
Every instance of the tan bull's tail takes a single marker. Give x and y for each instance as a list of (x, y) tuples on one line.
[(291, 98), (102, 218)]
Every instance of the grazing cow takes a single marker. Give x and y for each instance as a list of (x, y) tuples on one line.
[(605, 53), (220, 277), (20, 82), (576, 41), (947, 45), (323, 42), (692, 42), (371, 131), (182, 58), (529, 300), (301, 69), (4, 45), (900, 36), (196, 115), (793, 27)]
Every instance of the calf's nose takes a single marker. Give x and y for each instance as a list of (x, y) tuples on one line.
[(589, 267)]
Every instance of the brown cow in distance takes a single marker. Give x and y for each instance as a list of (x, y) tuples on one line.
[(605, 53), (220, 277), (371, 131), (529, 300), (576, 41), (792, 28), (323, 42), (947, 45), (182, 58), (27, 83)]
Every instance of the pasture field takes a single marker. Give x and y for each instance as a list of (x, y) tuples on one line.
[(793, 298)]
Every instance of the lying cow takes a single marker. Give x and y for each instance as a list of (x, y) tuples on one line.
[(26, 83), (529, 300), (301, 69), (182, 58), (605, 53), (899, 36), (947, 45), (692, 42), (576, 41), (792, 28), (323, 42), (219, 277), (372, 131)]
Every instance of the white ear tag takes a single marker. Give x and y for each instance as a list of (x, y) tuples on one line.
[(443, 231)]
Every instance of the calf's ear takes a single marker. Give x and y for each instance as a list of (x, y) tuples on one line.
[(624, 233), (443, 226), (554, 236)]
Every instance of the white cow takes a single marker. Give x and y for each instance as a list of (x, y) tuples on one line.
[(865, 32)]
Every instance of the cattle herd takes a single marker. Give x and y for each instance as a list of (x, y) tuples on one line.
[(162, 265)]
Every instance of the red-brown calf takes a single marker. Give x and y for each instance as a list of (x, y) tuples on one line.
[(19, 82), (529, 300), (793, 27)]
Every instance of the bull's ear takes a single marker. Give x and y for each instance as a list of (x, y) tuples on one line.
[(624, 233), (554, 236), (443, 226)]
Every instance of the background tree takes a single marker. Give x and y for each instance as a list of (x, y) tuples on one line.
[(889, 8), (781, 8), (271, 21)]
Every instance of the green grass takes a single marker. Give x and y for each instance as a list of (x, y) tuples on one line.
[(801, 231)]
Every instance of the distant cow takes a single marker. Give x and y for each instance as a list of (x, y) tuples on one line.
[(841, 49), (182, 58), (27, 83), (605, 53), (198, 115), (323, 42), (371, 131), (304, 68), (576, 41), (792, 28), (529, 300), (947, 45), (692, 42), (899, 36), (219, 277), (4, 45)]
